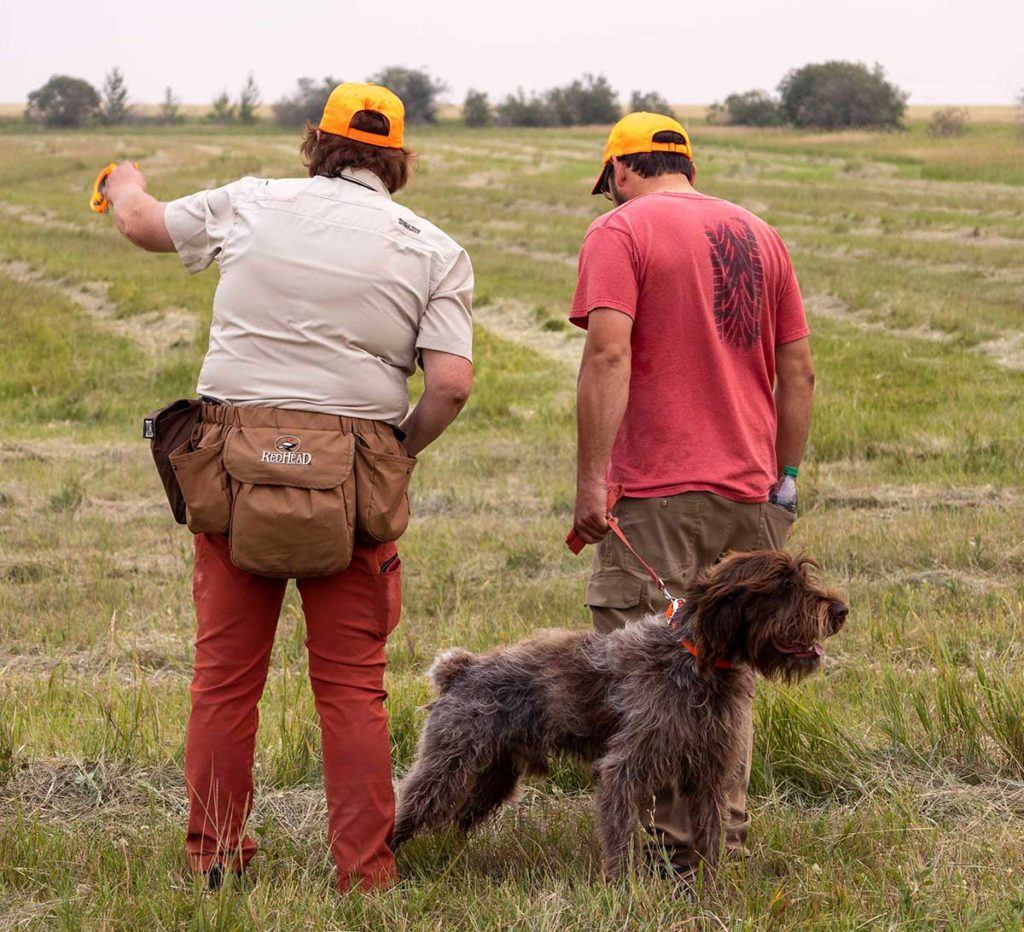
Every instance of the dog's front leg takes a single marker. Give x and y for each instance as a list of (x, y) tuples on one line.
[(707, 803), (618, 812)]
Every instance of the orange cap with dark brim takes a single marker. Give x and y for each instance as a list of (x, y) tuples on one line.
[(347, 100), (635, 133)]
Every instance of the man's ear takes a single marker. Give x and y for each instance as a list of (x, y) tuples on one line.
[(620, 172), (718, 623), (693, 178)]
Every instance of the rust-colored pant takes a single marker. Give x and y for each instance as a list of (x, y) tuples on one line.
[(348, 618), (680, 535)]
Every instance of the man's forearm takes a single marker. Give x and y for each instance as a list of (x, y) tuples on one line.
[(602, 395), (139, 217), (429, 419), (794, 404)]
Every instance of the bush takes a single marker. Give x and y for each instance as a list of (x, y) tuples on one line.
[(306, 104), (476, 109), (519, 110), (751, 108), (248, 101), (585, 102), (63, 101), (222, 110), (947, 122), (115, 98), (838, 95), (651, 102), (170, 108), (418, 90)]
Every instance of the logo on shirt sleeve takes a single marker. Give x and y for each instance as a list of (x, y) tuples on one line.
[(739, 282), (405, 223)]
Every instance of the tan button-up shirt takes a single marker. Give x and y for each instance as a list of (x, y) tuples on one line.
[(328, 292)]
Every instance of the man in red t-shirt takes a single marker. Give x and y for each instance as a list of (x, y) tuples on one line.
[(695, 391)]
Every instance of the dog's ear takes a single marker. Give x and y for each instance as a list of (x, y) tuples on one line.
[(718, 622)]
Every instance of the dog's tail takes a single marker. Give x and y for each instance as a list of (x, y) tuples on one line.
[(449, 666)]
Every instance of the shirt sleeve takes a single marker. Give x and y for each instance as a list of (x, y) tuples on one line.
[(790, 316), (607, 274), (447, 322), (199, 224)]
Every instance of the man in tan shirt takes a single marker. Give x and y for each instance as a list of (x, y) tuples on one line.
[(330, 294)]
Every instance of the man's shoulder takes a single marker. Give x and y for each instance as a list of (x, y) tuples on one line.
[(420, 230)]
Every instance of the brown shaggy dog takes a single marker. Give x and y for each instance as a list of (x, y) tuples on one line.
[(653, 704)]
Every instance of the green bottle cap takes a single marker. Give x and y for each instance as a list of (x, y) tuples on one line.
[(790, 471)]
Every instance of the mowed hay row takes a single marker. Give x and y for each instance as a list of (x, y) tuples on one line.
[(886, 791)]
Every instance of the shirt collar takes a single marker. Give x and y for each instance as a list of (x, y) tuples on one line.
[(366, 178)]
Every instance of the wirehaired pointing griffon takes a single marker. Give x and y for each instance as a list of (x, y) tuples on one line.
[(653, 705)]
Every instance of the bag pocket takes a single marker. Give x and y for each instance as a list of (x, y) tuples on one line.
[(382, 493), (293, 501), (200, 475)]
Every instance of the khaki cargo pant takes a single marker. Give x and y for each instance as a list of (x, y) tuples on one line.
[(680, 535)]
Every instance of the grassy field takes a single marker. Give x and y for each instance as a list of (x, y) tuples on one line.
[(888, 792)]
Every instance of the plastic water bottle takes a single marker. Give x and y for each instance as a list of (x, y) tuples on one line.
[(784, 493)]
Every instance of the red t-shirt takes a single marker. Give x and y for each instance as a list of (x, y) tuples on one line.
[(712, 292)]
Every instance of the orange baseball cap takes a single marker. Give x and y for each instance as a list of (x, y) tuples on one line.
[(347, 100), (634, 133)]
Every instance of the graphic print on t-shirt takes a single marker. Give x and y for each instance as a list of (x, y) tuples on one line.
[(739, 280)]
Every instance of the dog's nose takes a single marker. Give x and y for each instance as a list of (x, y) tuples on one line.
[(839, 611)]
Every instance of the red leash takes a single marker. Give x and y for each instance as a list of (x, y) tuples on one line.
[(576, 544)]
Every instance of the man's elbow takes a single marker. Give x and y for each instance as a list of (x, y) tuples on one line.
[(454, 393), (609, 358)]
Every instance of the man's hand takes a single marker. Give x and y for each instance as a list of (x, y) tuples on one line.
[(590, 518), (123, 178)]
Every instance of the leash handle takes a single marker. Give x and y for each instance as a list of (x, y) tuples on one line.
[(573, 540), (98, 202)]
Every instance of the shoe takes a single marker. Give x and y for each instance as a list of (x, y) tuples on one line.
[(215, 876)]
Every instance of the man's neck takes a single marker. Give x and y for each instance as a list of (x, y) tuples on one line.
[(665, 184)]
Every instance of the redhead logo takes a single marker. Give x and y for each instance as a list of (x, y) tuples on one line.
[(286, 452)]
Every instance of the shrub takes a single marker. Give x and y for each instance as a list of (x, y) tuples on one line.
[(115, 98), (476, 109), (170, 108), (751, 108), (651, 102), (584, 102), (63, 101), (839, 94), (418, 90), (248, 101), (947, 122), (306, 104), (519, 110), (222, 110)]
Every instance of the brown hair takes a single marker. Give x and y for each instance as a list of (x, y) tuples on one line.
[(329, 154)]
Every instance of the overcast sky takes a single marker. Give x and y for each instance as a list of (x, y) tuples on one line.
[(692, 51)]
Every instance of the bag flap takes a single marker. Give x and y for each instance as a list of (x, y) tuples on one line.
[(304, 459)]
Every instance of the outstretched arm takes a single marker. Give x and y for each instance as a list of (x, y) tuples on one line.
[(794, 400), (448, 380), (602, 392), (137, 214)]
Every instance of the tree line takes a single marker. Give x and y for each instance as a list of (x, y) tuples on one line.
[(829, 95)]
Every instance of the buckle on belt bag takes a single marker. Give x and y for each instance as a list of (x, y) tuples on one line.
[(166, 429)]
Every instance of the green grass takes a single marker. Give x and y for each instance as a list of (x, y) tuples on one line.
[(885, 792)]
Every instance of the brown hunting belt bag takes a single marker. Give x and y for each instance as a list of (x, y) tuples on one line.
[(291, 489)]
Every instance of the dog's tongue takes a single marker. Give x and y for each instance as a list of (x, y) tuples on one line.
[(819, 650)]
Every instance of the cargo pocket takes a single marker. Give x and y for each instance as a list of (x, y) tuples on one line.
[(382, 492), (611, 591), (293, 501), (200, 475), (391, 592)]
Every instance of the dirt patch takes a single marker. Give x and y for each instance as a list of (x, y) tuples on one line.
[(973, 237), (153, 331), (1006, 351), (515, 321), (917, 498), (41, 217), (49, 451)]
